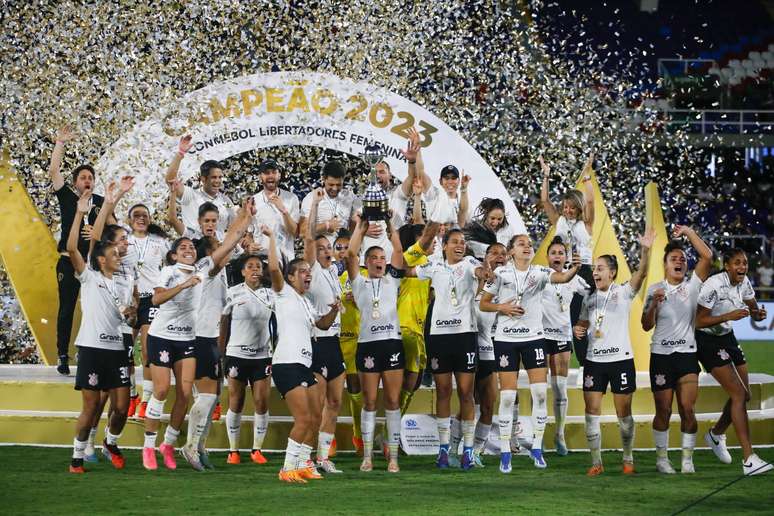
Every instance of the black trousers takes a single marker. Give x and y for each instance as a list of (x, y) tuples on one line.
[(68, 287), (580, 345)]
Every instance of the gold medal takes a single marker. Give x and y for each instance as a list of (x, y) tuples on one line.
[(561, 307), (376, 314), (454, 301), (598, 334)]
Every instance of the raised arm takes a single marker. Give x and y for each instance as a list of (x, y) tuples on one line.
[(569, 274), (171, 175), (111, 199), (72, 239), (63, 135), (411, 154), (462, 214), (397, 249), (172, 219), (545, 200), (646, 241), (588, 194), (353, 253), (275, 269), (428, 235), (310, 237), (234, 234), (704, 265)]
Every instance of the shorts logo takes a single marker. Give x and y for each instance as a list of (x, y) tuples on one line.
[(434, 364), (164, 357), (267, 371), (504, 361), (723, 354), (304, 384), (123, 372), (93, 379), (660, 379), (368, 362), (588, 381), (394, 358), (60, 277), (324, 371)]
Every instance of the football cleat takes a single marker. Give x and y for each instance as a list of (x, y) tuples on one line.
[(216, 412), (628, 468), (292, 477), (595, 470), (718, 445), (687, 467), (167, 452), (257, 457), (664, 466), (505, 462), (134, 403), (192, 457), (392, 467), (90, 455), (537, 458), (141, 409), (561, 446), (204, 458), (366, 465), (443, 458), (477, 459), (76, 466), (357, 442), (149, 459), (468, 462), (328, 466), (754, 465), (332, 449), (309, 472), (112, 453), (233, 458)]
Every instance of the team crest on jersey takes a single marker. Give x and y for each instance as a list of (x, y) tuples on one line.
[(368, 362), (660, 379), (164, 357), (93, 379), (434, 364), (504, 361), (324, 371), (233, 372), (588, 381), (723, 354)]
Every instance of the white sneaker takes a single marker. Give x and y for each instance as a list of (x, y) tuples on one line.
[(328, 466), (754, 465), (664, 466), (687, 467), (718, 445)]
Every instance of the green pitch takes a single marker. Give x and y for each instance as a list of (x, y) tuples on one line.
[(36, 481)]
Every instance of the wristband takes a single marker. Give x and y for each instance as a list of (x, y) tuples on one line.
[(463, 190), (412, 162)]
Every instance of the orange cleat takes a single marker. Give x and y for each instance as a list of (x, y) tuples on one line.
[(233, 458), (77, 469), (595, 470), (141, 410), (216, 412), (257, 457), (113, 454), (332, 449), (134, 402), (628, 468), (357, 442), (291, 477), (309, 474)]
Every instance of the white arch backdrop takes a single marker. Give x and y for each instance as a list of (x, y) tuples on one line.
[(293, 108)]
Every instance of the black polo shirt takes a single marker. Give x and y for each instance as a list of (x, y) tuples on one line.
[(68, 206)]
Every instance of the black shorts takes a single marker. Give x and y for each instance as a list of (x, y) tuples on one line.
[(485, 369), (101, 369), (247, 370), (553, 347), (207, 358), (666, 370), (146, 311), (165, 352), (327, 359), (453, 353), (129, 347), (380, 355), (620, 375), (718, 350), (509, 355), (289, 376)]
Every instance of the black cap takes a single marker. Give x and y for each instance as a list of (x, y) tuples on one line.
[(450, 170), (268, 164)]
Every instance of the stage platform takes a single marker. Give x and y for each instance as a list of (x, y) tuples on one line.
[(39, 406)]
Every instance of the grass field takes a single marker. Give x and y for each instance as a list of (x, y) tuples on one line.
[(36, 481)]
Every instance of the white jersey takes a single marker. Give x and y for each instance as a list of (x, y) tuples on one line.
[(146, 255), (486, 327), (675, 316), (721, 297), (193, 198), (574, 233), (503, 236), (268, 214), (525, 288), (126, 279), (556, 308), (455, 289), (377, 297), (382, 241), (344, 206), (324, 290), (296, 317), (212, 299), (431, 200), (100, 317), (176, 319), (250, 311), (608, 313)]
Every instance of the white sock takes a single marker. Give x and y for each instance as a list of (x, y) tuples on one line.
[(90, 440), (110, 438), (688, 443), (594, 438), (559, 387), (260, 427), (197, 417), (150, 440), (147, 390), (154, 409), (304, 455), (233, 428), (171, 435), (505, 419), (324, 440), (393, 432), (367, 425), (132, 386), (515, 429), (291, 455), (78, 448), (468, 431), (539, 393), (476, 411), (481, 436), (207, 426), (626, 425), (455, 435), (661, 439), (444, 430)]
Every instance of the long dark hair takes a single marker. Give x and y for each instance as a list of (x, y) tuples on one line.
[(486, 206), (100, 249), (173, 250)]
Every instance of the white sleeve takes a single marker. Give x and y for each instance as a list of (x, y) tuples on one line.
[(493, 287), (426, 271), (164, 277), (87, 276), (306, 204), (708, 295), (187, 197), (747, 290), (629, 292), (293, 209)]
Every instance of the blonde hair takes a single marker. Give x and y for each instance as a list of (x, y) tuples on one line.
[(575, 197)]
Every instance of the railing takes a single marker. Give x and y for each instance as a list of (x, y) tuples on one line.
[(720, 121)]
